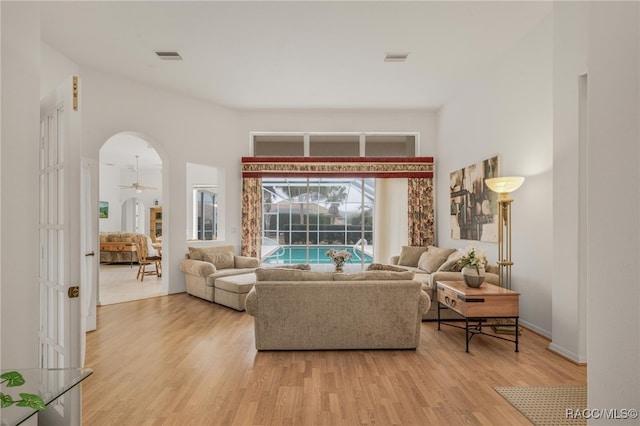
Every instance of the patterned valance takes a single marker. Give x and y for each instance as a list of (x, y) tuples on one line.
[(378, 167)]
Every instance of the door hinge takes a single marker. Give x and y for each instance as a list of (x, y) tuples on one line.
[(75, 93), (73, 292)]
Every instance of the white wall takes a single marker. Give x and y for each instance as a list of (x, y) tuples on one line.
[(58, 68), (613, 203), (569, 216), (110, 192), (182, 130), (507, 111), (19, 184)]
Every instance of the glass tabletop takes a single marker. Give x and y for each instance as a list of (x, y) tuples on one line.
[(49, 384)]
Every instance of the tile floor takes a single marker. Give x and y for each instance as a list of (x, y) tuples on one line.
[(118, 283)]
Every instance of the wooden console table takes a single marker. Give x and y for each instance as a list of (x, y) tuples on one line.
[(126, 247), (478, 306)]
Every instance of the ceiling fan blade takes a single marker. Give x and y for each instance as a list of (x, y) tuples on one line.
[(147, 187)]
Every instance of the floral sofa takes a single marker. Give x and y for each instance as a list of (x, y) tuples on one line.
[(307, 310), (203, 265), (431, 264)]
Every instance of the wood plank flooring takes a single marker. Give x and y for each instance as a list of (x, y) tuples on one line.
[(179, 360)]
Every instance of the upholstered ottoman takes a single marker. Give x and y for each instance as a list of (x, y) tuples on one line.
[(232, 290)]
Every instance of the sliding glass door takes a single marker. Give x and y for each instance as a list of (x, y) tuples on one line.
[(304, 217)]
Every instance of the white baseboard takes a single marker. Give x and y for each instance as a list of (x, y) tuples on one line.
[(535, 329), (567, 354)]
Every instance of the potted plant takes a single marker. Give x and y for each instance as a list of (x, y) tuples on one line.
[(473, 263), (14, 379)]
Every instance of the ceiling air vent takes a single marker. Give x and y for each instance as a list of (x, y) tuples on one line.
[(396, 57), (169, 55)]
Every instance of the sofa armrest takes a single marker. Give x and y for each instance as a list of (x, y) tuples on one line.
[(425, 302), (394, 260), (197, 267), (251, 303), (243, 262)]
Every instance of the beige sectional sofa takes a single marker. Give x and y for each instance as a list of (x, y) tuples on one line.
[(203, 265), (431, 264), (305, 310)]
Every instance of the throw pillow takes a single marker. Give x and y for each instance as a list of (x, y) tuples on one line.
[(433, 258), (382, 267), (195, 253), (452, 265), (221, 260), (410, 255)]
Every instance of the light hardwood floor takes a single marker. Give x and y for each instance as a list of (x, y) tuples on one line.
[(179, 360)]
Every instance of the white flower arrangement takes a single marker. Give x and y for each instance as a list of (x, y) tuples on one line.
[(338, 257), (472, 257)]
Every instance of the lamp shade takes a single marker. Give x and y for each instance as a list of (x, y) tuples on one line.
[(504, 184)]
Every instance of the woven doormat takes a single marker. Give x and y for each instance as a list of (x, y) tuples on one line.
[(549, 405)]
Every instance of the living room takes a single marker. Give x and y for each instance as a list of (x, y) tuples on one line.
[(520, 104)]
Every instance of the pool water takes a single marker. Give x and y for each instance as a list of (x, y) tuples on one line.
[(298, 254)]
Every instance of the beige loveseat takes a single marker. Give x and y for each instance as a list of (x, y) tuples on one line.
[(300, 310), (203, 265), (431, 264)]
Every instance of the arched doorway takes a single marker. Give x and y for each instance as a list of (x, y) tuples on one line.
[(131, 194)]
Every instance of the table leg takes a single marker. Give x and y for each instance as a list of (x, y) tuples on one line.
[(438, 315), (466, 332), (517, 333)]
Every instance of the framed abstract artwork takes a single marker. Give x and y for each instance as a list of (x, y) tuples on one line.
[(474, 207)]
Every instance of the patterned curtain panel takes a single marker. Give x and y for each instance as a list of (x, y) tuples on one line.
[(251, 217), (421, 212)]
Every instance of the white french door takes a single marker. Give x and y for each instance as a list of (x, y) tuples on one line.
[(60, 245)]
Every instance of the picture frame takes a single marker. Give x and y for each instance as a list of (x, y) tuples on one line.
[(473, 206), (103, 209)]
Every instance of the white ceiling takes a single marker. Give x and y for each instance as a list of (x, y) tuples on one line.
[(296, 54)]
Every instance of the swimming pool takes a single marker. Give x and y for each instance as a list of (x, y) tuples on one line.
[(298, 254)]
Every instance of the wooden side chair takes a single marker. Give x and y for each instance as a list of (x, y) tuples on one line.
[(145, 260)]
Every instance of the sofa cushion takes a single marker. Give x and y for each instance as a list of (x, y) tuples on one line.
[(375, 276), (452, 263), (221, 260), (383, 267), (283, 274), (410, 255), (433, 258), (196, 253)]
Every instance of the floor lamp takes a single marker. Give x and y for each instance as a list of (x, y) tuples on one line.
[(504, 186)]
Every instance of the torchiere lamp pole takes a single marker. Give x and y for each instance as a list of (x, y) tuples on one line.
[(504, 186)]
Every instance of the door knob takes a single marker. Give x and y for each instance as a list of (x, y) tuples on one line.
[(90, 254)]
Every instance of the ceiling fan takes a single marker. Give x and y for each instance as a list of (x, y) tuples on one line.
[(136, 185)]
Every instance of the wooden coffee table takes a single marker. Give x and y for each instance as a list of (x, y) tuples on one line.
[(479, 306)]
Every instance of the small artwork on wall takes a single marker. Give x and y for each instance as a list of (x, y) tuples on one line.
[(474, 207), (104, 209)]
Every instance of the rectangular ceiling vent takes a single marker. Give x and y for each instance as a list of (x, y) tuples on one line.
[(168, 55), (396, 57)]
